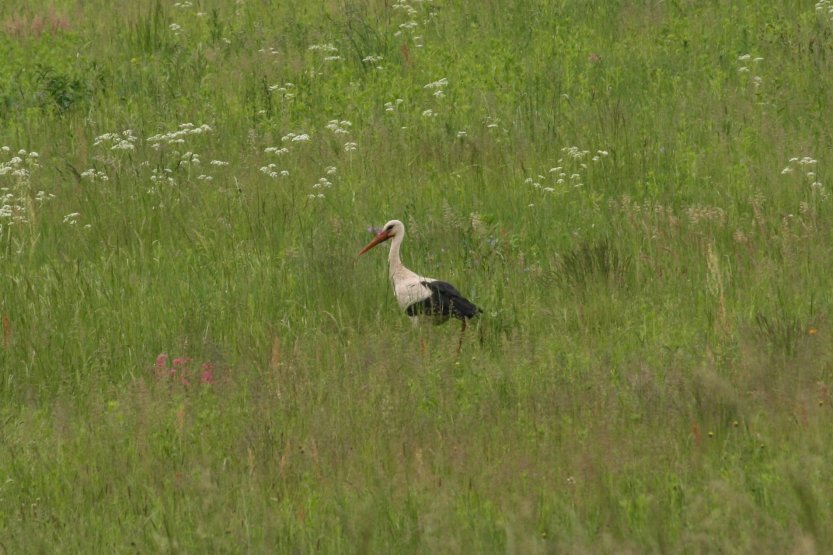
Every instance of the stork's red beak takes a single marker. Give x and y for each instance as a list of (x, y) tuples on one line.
[(381, 237)]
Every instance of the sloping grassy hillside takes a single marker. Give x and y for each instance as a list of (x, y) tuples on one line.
[(194, 359)]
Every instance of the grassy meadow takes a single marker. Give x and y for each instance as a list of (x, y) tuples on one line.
[(194, 359)]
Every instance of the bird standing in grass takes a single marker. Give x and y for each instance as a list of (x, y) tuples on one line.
[(421, 296)]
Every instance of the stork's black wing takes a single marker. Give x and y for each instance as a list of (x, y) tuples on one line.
[(445, 301)]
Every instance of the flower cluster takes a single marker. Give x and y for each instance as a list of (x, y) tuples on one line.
[(178, 136), (189, 158), (71, 219), (806, 168), (20, 166), (569, 170), (11, 208), (323, 183), (342, 127), (94, 175), (162, 176), (339, 127), (394, 105), (273, 171), (179, 370), (288, 91), (404, 7), (329, 50), (825, 8), (373, 59), (745, 69), (411, 14), (17, 173), (173, 160), (295, 138), (42, 196), (438, 87), (125, 140)]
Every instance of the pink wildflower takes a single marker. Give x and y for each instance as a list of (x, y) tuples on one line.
[(181, 361), (180, 366), (208, 373), (161, 367)]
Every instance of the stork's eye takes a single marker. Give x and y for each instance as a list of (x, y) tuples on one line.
[(389, 228)]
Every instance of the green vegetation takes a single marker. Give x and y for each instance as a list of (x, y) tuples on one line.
[(193, 358)]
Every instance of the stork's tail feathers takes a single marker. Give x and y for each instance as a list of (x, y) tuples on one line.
[(463, 308), (446, 300)]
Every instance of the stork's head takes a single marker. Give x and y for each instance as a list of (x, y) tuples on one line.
[(392, 229)]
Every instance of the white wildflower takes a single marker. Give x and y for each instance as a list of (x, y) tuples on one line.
[(323, 48), (437, 84), (339, 127), (295, 137)]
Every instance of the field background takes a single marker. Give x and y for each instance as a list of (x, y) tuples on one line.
[(194, 359)]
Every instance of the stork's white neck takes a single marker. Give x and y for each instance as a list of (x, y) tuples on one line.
[(395, 266)]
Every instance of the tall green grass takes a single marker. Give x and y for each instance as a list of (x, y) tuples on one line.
[(194, 359)]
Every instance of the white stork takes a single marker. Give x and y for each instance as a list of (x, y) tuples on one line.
[(421, 296)]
